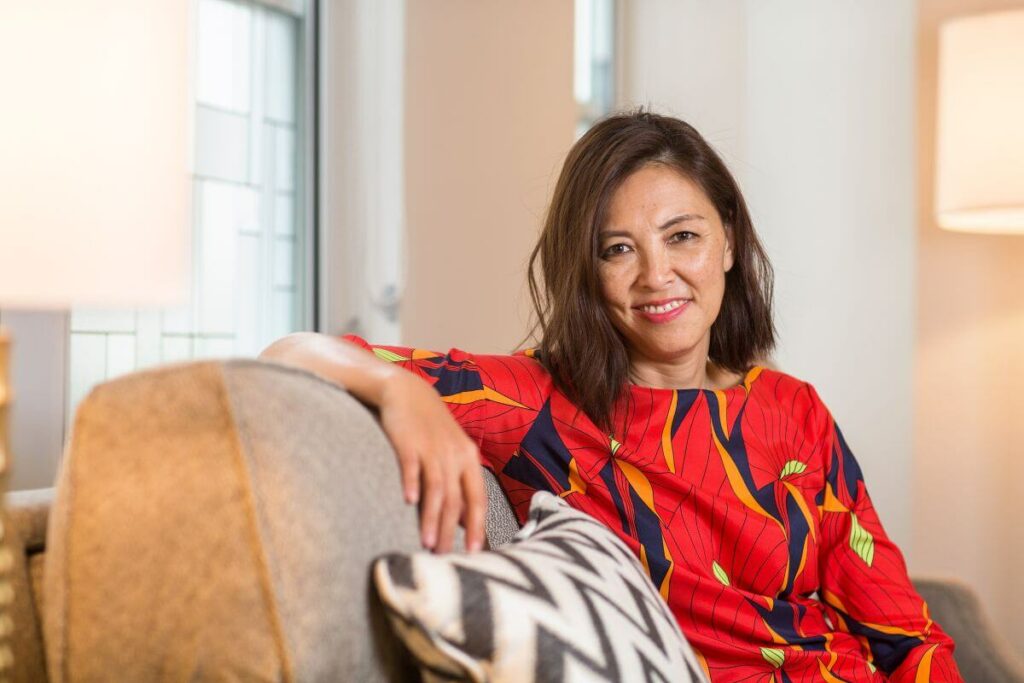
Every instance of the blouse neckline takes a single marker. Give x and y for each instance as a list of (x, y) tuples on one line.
[(745, 384)]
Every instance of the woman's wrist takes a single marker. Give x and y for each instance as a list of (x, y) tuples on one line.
[(351, 367), (398, 383)]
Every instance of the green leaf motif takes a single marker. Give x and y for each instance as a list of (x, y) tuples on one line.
[(389, 356), (719, 573), (773, 656), (861, 540), (872, 667), (792, 467), (615, 445)]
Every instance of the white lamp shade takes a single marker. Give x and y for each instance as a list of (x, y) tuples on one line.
[(94, 153), (980, 146)]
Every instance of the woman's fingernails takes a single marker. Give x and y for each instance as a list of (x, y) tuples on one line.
[(412, 496), (428, 540)]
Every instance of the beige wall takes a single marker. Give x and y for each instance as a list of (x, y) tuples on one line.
[(489, 117), (969, 455)]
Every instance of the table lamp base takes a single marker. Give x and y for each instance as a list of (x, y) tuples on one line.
[(6, 559)]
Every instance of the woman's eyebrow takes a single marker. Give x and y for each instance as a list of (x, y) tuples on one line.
[(668, 224)]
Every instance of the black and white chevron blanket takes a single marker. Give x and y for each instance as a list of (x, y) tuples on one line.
[(565, 600)]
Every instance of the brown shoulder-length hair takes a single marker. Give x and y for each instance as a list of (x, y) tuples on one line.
[(579, 346)]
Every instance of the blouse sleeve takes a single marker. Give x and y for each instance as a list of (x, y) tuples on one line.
[(495, 399), (864, 581)]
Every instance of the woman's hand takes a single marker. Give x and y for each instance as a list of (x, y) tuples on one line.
[(440, 464)]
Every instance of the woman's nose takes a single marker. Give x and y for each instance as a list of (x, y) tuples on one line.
[(655, 270)]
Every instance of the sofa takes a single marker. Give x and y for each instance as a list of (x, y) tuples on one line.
[(217, 521)]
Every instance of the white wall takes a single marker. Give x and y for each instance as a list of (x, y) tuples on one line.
[(362, 207), (812, 106), (38, 385)]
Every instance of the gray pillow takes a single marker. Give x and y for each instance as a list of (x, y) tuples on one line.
[(566, 600)]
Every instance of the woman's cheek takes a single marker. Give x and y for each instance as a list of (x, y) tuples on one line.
[(614, 283)]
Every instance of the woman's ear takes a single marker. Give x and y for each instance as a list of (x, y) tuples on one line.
[(727, 256)]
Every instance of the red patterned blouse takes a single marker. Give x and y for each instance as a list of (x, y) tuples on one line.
[(745, 506)]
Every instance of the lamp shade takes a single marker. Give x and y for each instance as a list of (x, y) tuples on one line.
[(94, 153), (980, 145)]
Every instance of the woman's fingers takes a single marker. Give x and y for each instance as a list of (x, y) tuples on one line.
[(433, 500), (410, 466), (476, 506), (439, 467), (450, 513), (453, 493)]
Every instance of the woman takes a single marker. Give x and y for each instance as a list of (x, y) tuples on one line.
[(644, 406)]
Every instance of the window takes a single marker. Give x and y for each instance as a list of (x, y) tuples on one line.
[(252, 223), (594, 80)]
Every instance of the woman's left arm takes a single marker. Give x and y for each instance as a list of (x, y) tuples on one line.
[(864, 581)]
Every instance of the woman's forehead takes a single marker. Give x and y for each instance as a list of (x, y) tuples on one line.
[(655, 196)]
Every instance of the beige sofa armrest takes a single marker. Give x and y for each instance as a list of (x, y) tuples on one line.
[(27, 513), (981, 652), (216, 521)]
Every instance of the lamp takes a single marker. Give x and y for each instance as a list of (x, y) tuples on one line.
[(980, 146), (94, 145)]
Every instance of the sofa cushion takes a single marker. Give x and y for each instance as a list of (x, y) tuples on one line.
[(500, 524), (566, 600)]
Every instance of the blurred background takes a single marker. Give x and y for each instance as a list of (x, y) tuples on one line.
[(383, 167)]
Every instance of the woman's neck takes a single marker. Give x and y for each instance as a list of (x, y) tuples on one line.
[(697, 372)]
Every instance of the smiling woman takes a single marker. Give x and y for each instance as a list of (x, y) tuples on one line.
[(662, 222), (644, 407)]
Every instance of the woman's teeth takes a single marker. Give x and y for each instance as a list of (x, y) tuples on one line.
[(664, 308)]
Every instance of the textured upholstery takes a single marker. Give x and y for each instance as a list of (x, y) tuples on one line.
[(211, 524), (27, 534), (35, 580), (501, 523)]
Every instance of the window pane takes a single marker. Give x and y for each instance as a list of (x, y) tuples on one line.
[(103, 321), (120, 354), (284, 157), (282, 51), (221, 211), (223, 54), (284, 263), (284, 214), (250, 315), (88, 363), (222, 145), (175, 348)]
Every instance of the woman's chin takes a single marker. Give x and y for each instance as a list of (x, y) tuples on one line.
[(668, 353)]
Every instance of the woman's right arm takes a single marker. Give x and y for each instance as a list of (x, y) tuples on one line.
[(440, 464)]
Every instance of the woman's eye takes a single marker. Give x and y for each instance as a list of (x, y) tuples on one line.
[(683, 236), (615, 250)]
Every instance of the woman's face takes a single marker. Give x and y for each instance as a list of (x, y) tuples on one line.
[(663, 254)]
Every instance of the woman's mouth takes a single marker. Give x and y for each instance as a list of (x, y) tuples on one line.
[(663, 311)]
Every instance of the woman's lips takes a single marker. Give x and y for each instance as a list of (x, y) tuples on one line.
[(667, 316)]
